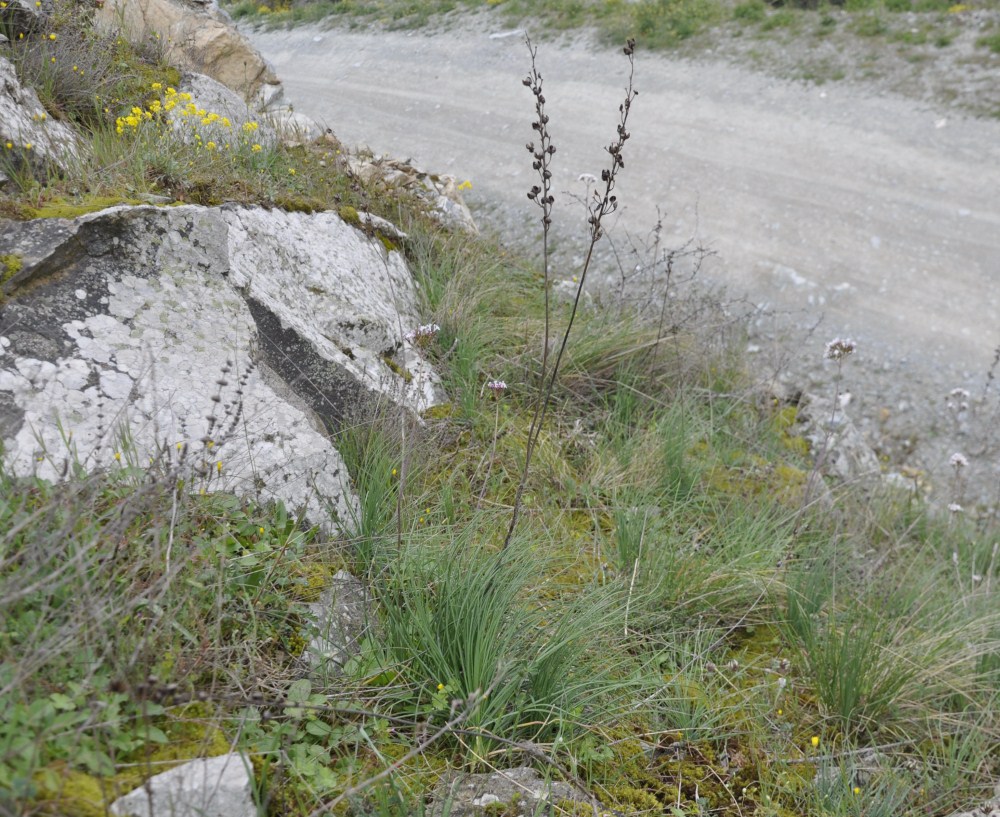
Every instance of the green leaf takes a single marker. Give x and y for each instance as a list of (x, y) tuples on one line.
[(298, 692), (62, 702), (320, 729)]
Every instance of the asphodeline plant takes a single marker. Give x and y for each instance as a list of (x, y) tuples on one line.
[(602, 203)]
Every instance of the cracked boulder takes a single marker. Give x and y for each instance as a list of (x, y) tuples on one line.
[(230, 341), (197, 37)]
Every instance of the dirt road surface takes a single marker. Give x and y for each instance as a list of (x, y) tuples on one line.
[(876, 214)]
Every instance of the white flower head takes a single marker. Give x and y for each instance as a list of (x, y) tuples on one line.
[(839, 348), (958, 461), (954, 507), (498, 387), (423, 334), (958, 400)]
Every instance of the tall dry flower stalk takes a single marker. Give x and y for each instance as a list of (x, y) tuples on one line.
[(603, 202)]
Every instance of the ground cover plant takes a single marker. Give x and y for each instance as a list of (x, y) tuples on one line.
[(666, 606)]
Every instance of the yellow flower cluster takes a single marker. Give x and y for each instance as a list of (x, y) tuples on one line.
[(170, 99), (171, 119), (171, 103)]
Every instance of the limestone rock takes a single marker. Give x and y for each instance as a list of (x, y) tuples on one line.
[(340, 618), (836, 443), (197, 37), (215, 97), (213, 787), (24, 122), (257, 331), (441, 192), (293, 128), (521, 791)]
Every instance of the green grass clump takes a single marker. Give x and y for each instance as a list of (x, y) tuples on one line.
[(990, 42)]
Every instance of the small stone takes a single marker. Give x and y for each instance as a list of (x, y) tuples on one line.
[(213, 787)]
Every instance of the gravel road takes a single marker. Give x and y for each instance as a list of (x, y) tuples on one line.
[(876, 215)]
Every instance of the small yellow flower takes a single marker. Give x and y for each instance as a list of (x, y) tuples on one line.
[(291, 170), (781, 712), (3, 5), (857, 789), (180, 446), (52, 37), (170, 92), (210, 443), (261, 530), (27, 145), (225, 122), (256, 148), (814, 740), (249, 127), (210, 146), (38, 4), (421, 520), (466, 185), (10, 145), (156, 86), (118, 456), (394, 472), (440, 687), (218, 466), (52, 60)]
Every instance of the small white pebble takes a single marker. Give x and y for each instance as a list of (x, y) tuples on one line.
[(81, 294)]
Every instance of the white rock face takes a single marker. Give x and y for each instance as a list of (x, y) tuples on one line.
[(23, 122), (228, 342), (213, 787)]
